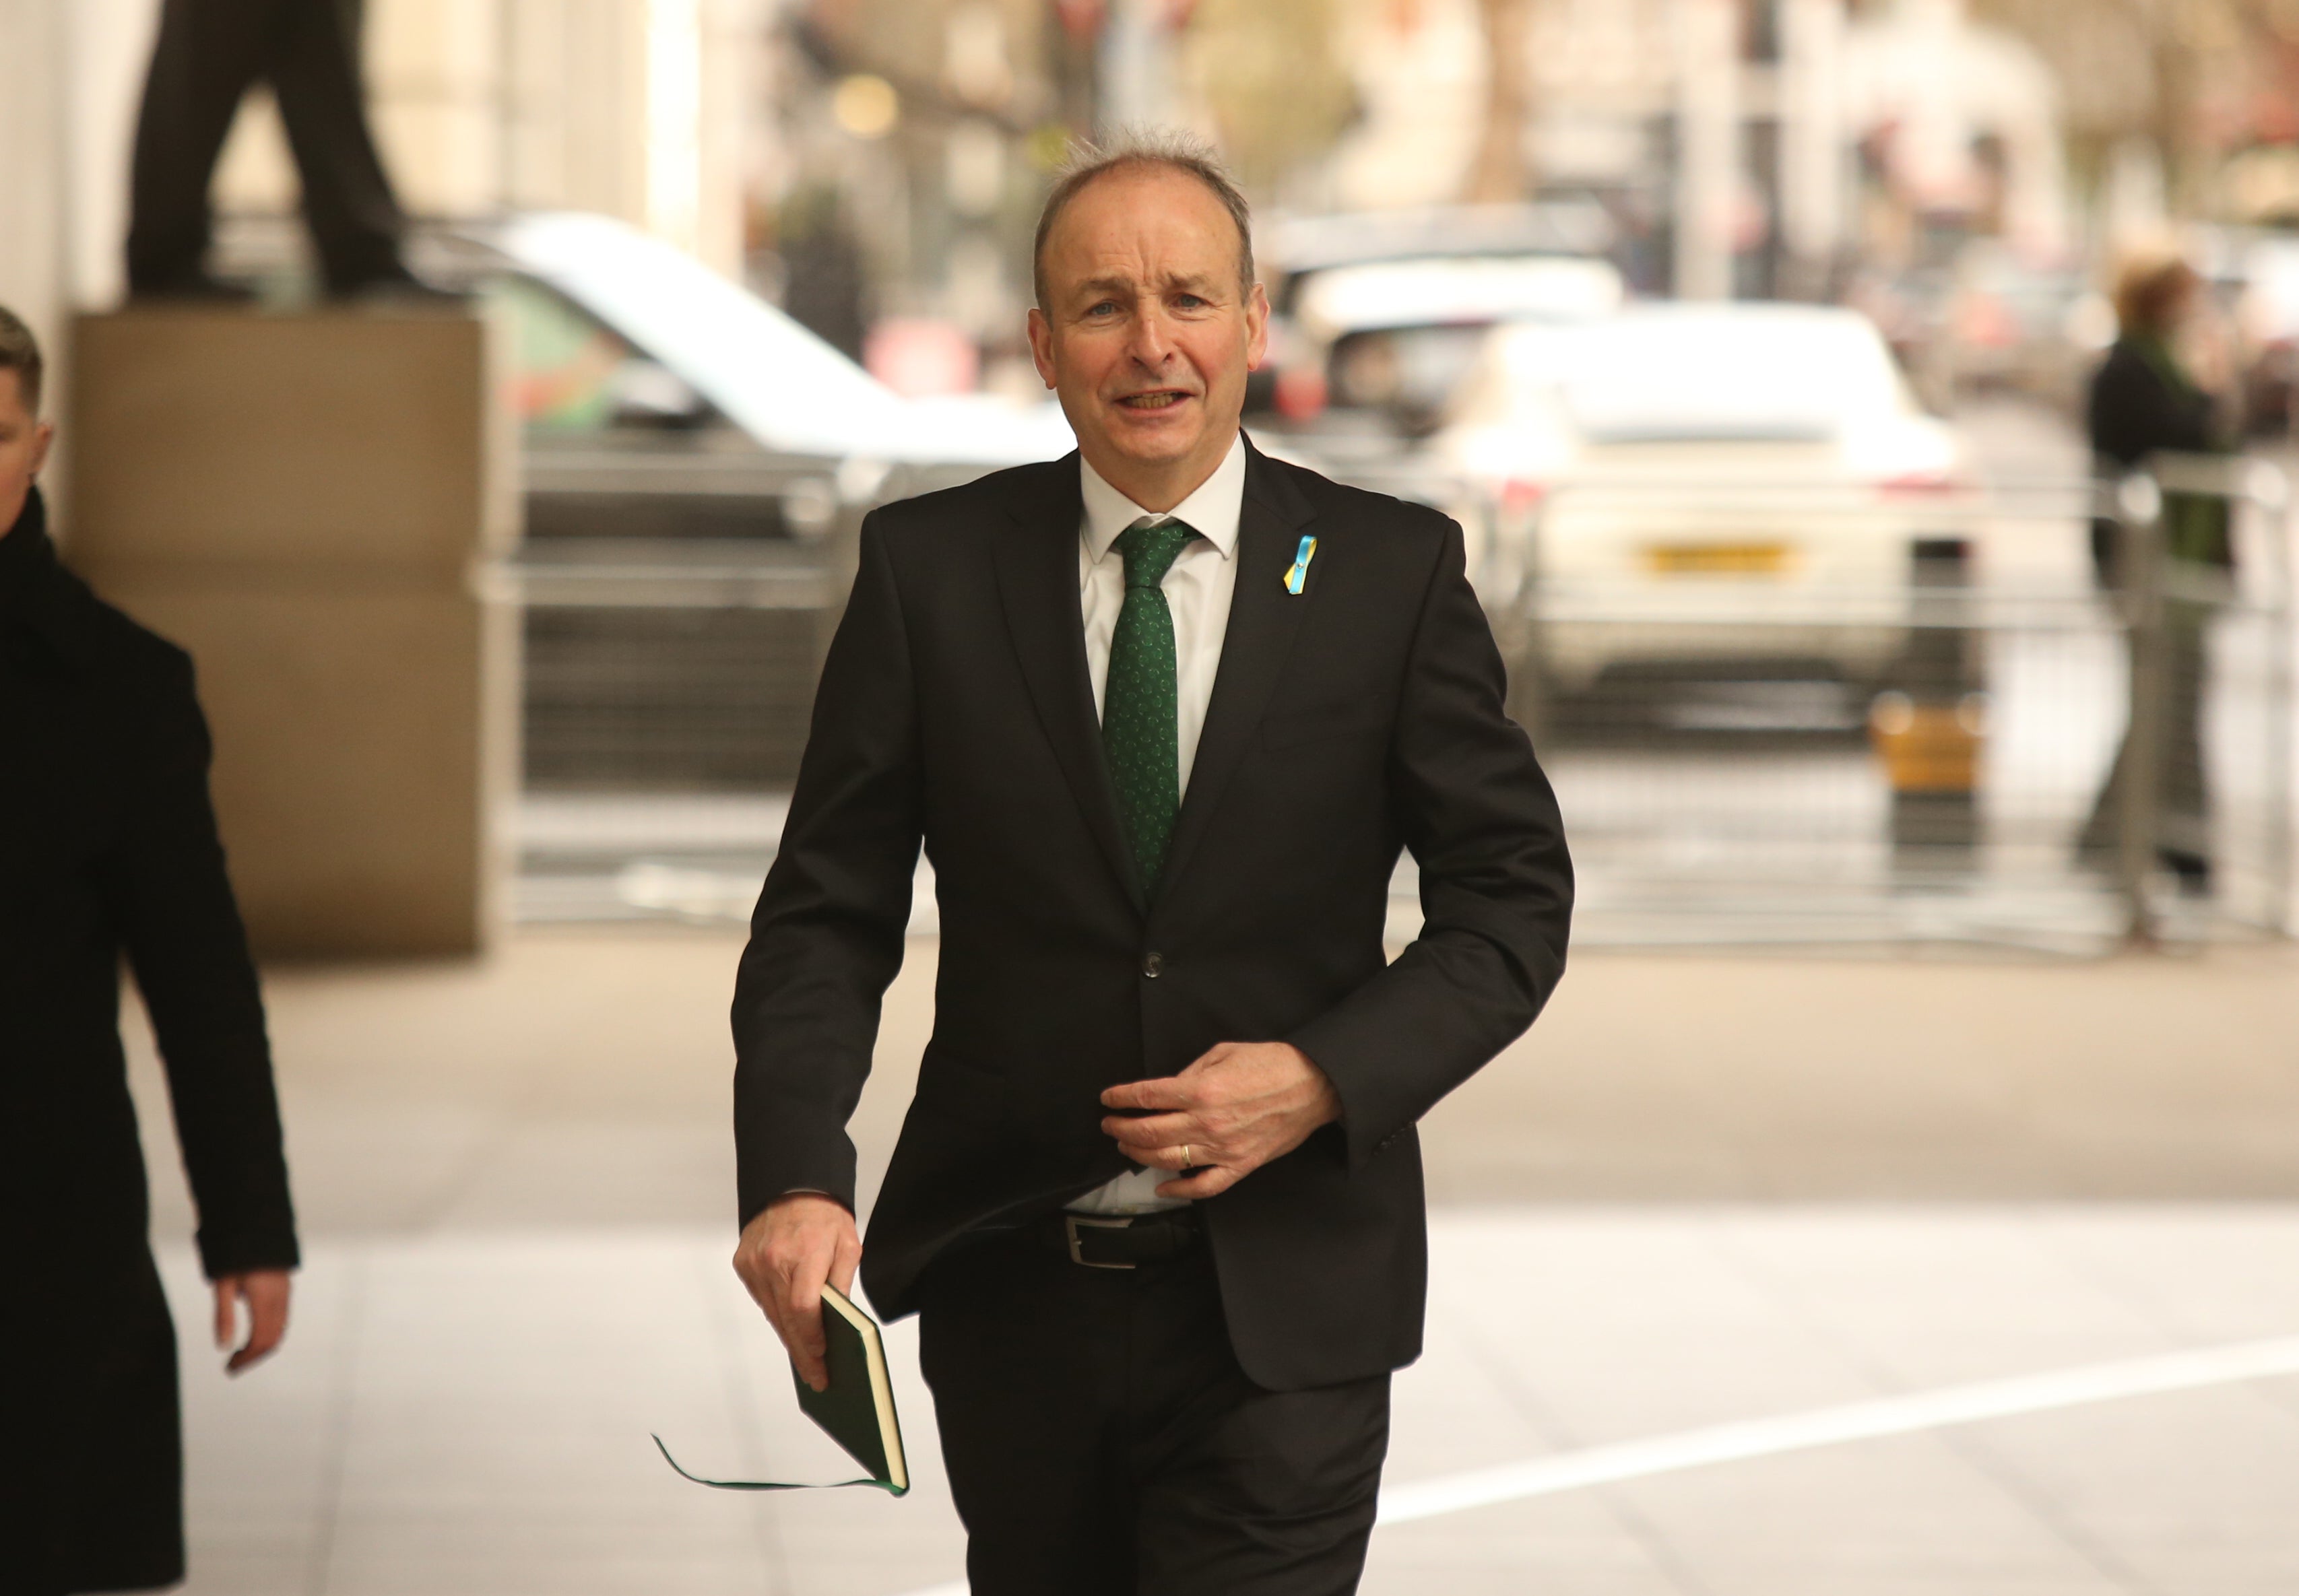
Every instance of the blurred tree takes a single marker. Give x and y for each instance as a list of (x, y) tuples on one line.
[(1273, 76), (950, 57), (2188, 75), (1500, 172), (949, 181)]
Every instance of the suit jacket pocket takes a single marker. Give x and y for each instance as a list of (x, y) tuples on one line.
[(960, 1085), (1363, 715)]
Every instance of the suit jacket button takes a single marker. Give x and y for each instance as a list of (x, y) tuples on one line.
[(1153, 964)]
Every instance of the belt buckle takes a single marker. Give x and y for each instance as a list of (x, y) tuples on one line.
[(1072, 1223)]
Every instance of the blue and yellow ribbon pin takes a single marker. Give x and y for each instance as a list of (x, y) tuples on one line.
[(1300, 574)]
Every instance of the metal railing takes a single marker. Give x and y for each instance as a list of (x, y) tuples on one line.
[(1818, 714), (1772, 713)]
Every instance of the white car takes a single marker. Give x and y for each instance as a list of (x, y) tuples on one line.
[(1729, 486), (695, 465), (1398, 336), (785, 388), (1391, 340)]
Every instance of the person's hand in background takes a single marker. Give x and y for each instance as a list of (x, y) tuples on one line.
[(265, 1293)]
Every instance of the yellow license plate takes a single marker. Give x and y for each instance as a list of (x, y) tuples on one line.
[(1717, 559)]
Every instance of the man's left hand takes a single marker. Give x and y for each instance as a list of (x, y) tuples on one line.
[(1239, 1106)]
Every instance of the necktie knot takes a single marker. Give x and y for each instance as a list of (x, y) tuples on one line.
[(1149, 549)]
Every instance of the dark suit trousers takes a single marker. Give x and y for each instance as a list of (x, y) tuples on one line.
[(1101, 1440), (209, 54)]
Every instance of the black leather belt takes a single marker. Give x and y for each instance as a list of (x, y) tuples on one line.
[(1117, 1241)]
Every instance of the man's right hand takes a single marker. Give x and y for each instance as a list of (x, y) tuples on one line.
[(785, 1254)]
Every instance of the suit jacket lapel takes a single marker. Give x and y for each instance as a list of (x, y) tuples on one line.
[(1263, 618), (1038, 585)]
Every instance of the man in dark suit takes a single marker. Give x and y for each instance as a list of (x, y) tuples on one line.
[(1163, 714), (108, 847)]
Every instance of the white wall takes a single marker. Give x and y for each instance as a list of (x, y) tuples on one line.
[(33, 223), (109, 45)]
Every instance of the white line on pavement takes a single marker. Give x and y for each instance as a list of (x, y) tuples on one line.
[(1853, 1421), (1829, 1427)]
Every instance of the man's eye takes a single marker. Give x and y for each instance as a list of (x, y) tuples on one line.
[(1189, 301), (1107, 306)]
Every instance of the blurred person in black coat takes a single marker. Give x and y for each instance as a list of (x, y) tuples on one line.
[(108, 846), (2145, 401), (210, 52)]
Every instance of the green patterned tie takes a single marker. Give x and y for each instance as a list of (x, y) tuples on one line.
[(1138, 712)]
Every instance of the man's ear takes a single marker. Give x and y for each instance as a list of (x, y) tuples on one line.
[(44, 434), (1042, 345), (1257, 328)]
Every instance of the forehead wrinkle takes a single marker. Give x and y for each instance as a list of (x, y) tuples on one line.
[(1118, 282), (1165, 280)]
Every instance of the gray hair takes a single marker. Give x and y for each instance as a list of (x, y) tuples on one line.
[(1135, 149), (20, 353)]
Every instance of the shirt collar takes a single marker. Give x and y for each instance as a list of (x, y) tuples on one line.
[(1213, 511)]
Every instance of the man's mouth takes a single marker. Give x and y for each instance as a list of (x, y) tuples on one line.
[(1162, 399)]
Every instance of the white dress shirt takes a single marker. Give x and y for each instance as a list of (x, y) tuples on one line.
[(1197, 590)]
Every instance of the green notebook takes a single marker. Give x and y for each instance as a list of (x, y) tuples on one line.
[(856, 1408)]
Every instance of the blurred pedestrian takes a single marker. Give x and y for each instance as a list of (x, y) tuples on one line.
[(2145, 401), (823, 273), (1164, 713), (108, 846), (210, 52)]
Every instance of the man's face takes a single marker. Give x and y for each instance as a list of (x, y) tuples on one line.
[(1147, 334), (23, 449)]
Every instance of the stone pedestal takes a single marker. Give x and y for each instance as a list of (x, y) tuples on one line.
[(308, 503)]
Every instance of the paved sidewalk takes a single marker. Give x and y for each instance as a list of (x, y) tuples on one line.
[(469, 1415), (1704, 1190), (581, 1077)]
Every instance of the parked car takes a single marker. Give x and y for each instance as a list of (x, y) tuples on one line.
[(2017, 327), (694, 465), (1391, 341), (670, 341), (1705, 495), (1377, 314), (1990, 322), (1293, 247)]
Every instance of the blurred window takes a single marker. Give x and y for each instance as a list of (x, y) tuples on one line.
[(571, 374), (1413, 370), (1404, 335)]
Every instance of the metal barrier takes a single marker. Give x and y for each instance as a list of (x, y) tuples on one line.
[(1827, 716), (1772, 713)]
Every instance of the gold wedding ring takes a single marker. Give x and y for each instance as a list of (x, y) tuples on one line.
[(1186, 1160)]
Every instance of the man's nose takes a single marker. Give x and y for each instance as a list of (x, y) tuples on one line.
[(1152, 344)]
